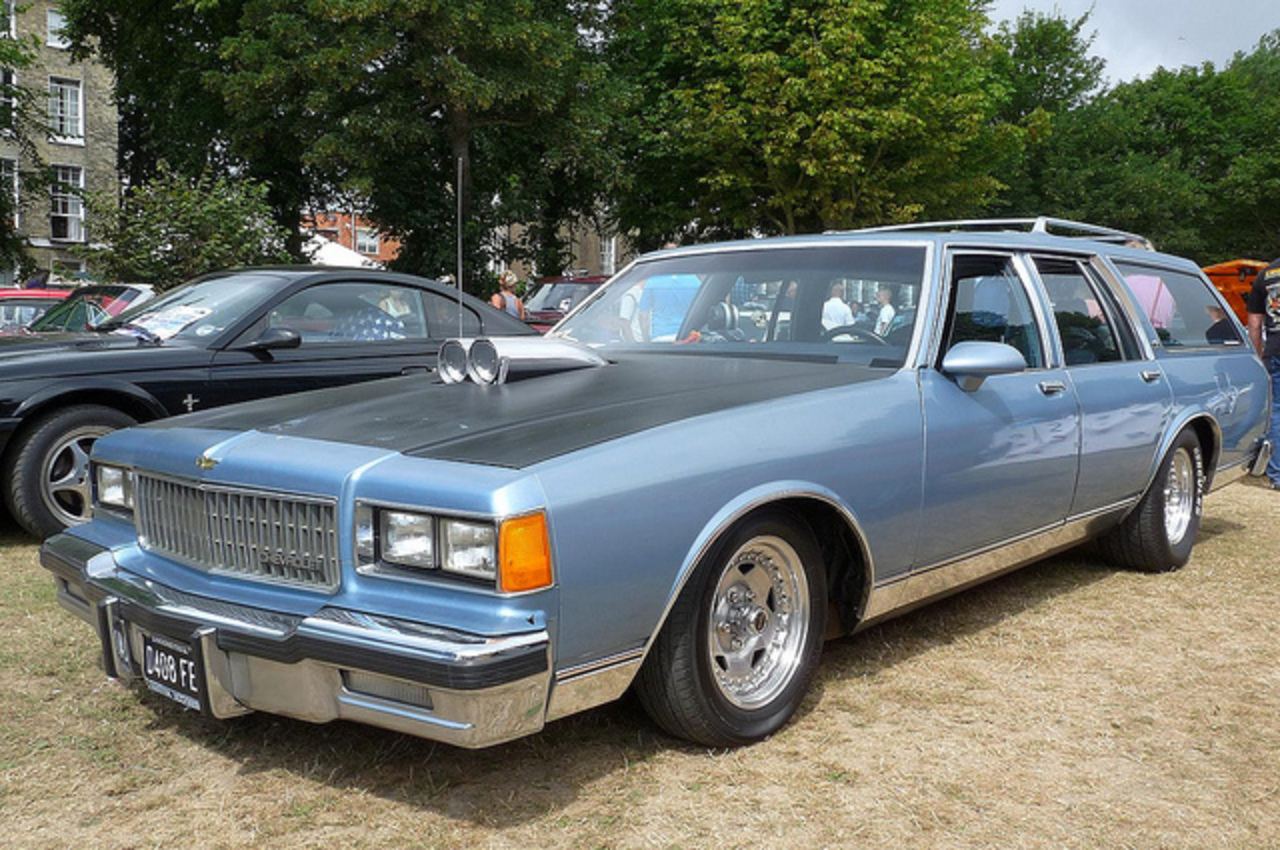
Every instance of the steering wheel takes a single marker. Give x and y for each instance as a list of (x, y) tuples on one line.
[(855, 332)]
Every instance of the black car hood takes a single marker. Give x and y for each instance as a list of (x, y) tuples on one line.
[(524, 422), (53, 347)]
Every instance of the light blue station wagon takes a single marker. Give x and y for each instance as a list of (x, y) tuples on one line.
[(727, 454)]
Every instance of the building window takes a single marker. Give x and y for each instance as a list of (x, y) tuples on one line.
[(57, 22), (66, 219), (10, 27), (366, 241), (609, 255), (9, 181), (66, 110), (8, 100)]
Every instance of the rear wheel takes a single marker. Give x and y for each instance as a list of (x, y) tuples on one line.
[(47, 474), (735, 657), (1159, 534)]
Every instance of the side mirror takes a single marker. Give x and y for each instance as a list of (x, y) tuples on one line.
[(273, 338), (971, 363)]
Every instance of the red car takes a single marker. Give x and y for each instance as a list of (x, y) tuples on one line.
[(21, 307), (553, 297), (89, 305)]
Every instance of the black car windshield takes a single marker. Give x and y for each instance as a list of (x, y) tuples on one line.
[(850, 302), (197, 310)]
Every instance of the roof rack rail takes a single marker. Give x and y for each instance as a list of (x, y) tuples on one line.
[(1040, 224)]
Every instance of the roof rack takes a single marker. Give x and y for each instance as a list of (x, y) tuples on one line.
[(1040, 224)]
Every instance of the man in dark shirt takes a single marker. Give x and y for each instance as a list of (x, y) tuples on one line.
[(1263, 304)]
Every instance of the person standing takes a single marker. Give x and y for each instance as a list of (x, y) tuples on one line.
[(884, 319), (505, 298), (1263, 304), (836, 313)]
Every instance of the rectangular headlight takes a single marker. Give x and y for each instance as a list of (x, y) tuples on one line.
[(365, 551), (407, 538), (114, 486), (468, 548)]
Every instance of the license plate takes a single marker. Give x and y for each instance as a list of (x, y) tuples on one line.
[(170, 669)]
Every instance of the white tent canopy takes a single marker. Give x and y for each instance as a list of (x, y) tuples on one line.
[(326, 252)]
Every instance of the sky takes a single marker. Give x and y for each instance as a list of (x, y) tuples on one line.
[(1137, 36)]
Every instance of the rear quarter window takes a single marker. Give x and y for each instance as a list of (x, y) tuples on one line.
[(1184, 309)]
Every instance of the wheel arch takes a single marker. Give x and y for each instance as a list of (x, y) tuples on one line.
[(119, 395), (1208, 433), (846, 557)]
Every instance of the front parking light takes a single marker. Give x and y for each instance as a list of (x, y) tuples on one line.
[(524, 554)]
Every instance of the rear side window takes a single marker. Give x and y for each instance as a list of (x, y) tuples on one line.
[(1182, 308), (1088, 320)]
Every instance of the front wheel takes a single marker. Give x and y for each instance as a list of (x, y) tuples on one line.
[(1160, 532), (735, 657), (47, 475)]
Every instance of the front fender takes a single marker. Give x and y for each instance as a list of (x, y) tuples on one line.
[(98, 386)]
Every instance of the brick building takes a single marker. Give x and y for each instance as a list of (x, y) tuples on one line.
[(80, 146), (350, 231)]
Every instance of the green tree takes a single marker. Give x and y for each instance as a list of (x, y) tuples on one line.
[(175, 228), (377, 98), (405, 90), (766, 117), (1046, 70), (1180, 157)]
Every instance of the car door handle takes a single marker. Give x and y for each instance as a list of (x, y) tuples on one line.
[(1053, 387), (1151, 375)]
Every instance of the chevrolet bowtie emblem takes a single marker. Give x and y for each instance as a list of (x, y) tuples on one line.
[(206, 462)]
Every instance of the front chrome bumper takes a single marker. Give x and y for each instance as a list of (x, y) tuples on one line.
[(464, 689)]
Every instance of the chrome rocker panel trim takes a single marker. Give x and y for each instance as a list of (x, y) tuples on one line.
[(474, 691)]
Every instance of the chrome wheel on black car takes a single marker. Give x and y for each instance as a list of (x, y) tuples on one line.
[(46, 474)]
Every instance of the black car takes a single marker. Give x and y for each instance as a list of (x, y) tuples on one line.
[(219, 339)]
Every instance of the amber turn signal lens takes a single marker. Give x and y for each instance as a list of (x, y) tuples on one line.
[(524, 553)]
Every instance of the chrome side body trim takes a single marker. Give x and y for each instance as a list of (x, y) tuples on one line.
[(934, 582), (596, 683)]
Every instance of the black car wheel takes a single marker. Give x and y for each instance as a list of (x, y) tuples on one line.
[(1158, 535), (734, 659), (47, 472)]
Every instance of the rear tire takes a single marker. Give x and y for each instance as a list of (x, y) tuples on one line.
[(733, 661), (1160, 532), (46, 475)]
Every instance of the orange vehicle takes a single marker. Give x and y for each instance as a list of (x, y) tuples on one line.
[(1234, 279)]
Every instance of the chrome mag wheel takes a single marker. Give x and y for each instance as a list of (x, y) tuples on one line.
[(65, 474), (759, 622), (1179, 496)]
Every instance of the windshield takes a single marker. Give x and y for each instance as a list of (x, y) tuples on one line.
[(86, 308), (561, 297), (854, 302), (197, 310)]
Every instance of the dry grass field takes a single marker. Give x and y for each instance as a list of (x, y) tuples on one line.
[(1064, 706)]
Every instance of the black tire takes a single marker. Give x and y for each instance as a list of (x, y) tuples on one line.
[(763, 586), (1160, 532), (46, 471)]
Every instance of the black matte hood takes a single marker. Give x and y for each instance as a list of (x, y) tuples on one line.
[(524, 422)]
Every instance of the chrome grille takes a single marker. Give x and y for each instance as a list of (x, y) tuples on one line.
[(266, 536)]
